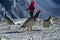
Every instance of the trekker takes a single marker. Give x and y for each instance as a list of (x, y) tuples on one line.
[(32, 7)]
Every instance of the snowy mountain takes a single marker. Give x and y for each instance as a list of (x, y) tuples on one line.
[(14, 8), (17, 8), (12, 32)]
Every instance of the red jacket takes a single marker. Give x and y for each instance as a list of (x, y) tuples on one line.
[(32, 7)]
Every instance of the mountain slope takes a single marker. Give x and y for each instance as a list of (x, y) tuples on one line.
[(17, 8)]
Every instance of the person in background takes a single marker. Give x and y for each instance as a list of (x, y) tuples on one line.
[(32, 7)]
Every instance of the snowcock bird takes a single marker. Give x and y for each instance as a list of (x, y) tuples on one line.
[(8, 20), (31, 21), (47, 22)]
